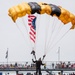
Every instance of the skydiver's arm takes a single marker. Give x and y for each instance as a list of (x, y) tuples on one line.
[(42, 64), (43, 57), (33, 61)]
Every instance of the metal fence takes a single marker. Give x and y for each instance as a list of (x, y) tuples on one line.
[(48, 64)]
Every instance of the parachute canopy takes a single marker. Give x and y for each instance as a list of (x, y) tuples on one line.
[(24, 8)]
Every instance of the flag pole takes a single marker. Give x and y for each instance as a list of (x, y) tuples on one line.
[(58, 53), (7, 59), (6, 56)]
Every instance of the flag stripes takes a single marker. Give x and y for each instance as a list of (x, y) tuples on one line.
[(32, 25)]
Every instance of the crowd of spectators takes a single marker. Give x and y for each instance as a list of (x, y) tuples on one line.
[(51, 65), (63, 65)]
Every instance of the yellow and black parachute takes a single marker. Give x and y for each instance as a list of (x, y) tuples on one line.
[(24, 8)]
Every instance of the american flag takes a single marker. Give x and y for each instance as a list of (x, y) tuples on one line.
[(32, 25)]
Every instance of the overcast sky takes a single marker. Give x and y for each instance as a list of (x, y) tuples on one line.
[(18, 42)]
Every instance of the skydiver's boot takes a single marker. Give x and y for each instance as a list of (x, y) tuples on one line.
[(40, 74)]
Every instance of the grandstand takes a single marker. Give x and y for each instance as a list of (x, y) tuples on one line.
[(49, 67)]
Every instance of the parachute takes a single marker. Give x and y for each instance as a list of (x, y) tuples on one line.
[(40, 8)]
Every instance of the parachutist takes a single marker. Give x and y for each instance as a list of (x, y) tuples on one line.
[(38, 65)]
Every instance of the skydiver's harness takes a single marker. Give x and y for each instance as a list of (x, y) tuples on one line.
[(33, 52)]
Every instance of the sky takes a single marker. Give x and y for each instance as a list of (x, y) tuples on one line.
[(18, 42)]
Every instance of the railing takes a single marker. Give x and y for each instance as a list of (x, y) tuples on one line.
[(56, 66)]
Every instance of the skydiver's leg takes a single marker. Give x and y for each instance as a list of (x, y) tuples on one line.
[(40, 71), (36, 71)]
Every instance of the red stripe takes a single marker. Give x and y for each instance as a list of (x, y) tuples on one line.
[(29, 20), (32, 34), (32, 29), (32, 39), (29, 16), (29, 24)]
